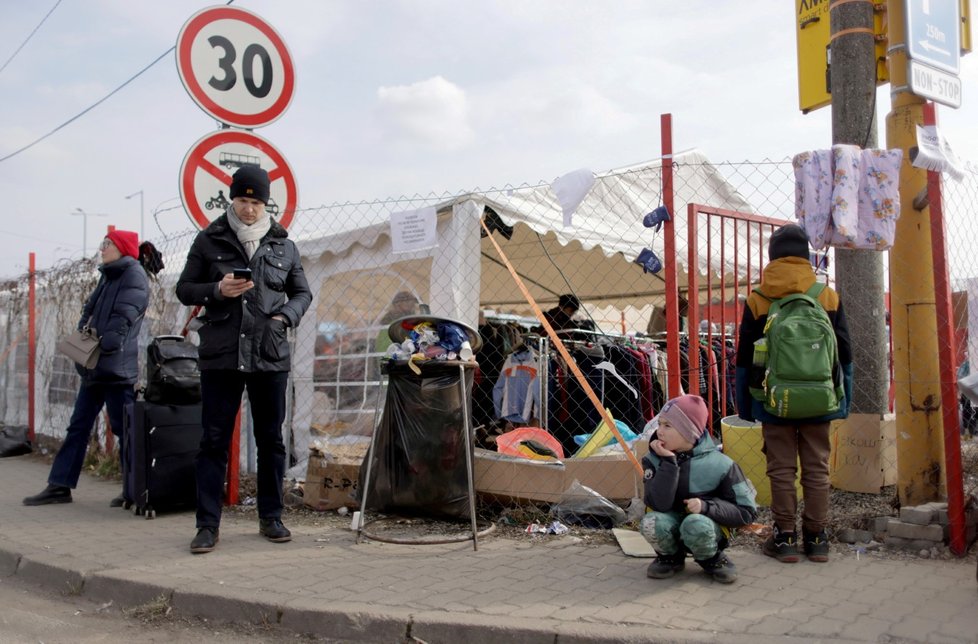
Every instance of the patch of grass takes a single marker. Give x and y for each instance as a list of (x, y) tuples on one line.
[(152, 611), (73, 589), (102, 465)]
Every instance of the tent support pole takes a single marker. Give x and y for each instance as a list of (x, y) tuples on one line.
[(467, 430)]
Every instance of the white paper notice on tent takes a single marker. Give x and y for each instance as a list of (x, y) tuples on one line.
[(413, 230), (571, 189), (935, 153)]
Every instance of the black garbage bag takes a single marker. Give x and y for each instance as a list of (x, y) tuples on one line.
[(14, 441), (419, 465)]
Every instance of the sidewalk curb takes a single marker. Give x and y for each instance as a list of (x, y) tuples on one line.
[(348, 621)]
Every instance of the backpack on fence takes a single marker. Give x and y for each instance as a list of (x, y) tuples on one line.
[(796, 364), (172, 372)]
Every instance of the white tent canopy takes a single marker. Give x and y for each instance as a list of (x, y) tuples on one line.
[(592, 258)]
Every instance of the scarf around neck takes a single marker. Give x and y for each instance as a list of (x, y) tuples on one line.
[(249, 236)]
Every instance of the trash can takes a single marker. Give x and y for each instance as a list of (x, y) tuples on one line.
[(420, 462), (419, 465)]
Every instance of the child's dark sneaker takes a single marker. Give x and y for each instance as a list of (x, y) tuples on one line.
[(782, 546), (665, 566), (720, 568), (816, 545)]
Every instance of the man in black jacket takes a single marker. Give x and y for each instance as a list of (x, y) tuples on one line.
[(243, 343), (562, 315)]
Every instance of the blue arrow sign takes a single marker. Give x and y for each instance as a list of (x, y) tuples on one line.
[(934, 33)]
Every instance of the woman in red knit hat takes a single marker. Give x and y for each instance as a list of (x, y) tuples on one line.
[(115, 311)]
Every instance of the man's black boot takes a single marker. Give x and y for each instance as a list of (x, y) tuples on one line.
[(50, 494), (205, 541), (273, 530)]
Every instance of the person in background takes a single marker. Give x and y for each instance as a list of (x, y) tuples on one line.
[(115, 310), (402, 305), (696, 494), (786, 442), (562, 315), (243, 343)]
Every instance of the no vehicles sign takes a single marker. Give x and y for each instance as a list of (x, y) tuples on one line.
[(205, 175), (235, 66)]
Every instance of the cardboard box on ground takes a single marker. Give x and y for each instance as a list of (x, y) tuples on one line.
[(333, 472), (515, 479)]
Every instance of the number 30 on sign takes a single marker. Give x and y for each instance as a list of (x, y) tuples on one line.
[(235, 66)]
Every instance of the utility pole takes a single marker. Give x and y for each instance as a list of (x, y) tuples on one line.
[(85, 215), (142, 227), (859, 274), (919, 423)]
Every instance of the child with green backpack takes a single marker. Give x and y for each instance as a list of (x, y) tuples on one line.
[(794, 375)]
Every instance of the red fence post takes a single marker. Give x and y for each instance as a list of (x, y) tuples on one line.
[(945, 334), (692, 302), (31, 342), (669, 235), (234, 462)]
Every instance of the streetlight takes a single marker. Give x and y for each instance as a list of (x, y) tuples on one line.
[(85, 215), (141, 227)]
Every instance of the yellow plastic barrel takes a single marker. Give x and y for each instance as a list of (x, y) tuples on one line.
[(742, 441)]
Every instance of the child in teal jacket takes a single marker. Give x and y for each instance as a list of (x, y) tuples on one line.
[(695, 493)]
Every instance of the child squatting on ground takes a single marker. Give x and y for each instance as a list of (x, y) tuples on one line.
[(696, 495)]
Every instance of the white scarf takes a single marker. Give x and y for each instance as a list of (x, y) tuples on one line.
[(249, 236)]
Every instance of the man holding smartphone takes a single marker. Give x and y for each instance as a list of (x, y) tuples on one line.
[(247, 275)]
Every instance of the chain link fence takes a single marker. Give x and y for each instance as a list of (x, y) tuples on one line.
[(602, 253)]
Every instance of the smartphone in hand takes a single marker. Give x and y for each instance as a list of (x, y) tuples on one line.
[(242, 274)]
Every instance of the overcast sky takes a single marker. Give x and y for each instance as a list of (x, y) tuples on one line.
[(397, 98)]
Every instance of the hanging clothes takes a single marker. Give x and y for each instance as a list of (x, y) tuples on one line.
[(848, 197), (516, 395)]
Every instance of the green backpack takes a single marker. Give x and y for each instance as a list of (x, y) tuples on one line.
[(802, 377)]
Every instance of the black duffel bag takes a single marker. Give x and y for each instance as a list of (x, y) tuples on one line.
[(172, 372)]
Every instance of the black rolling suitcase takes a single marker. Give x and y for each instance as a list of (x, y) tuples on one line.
[(161, 444)]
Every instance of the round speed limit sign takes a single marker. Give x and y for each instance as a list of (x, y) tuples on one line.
[(235, 66)]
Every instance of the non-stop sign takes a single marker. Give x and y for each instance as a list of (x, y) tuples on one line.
[(205, 176), (235, 66)]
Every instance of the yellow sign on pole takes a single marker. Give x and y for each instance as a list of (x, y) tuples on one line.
[(812, 29), (814, 34)]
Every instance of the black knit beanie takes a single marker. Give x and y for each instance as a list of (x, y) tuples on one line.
[(250, 181), (790, 240)]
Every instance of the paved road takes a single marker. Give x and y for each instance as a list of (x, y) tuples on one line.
[(326, 584), (32, 614)]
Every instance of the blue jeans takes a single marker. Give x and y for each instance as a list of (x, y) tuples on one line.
[(221, 391), (92, 396), (672, 533)]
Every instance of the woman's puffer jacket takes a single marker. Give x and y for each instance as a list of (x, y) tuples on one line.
[(116, 309)]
